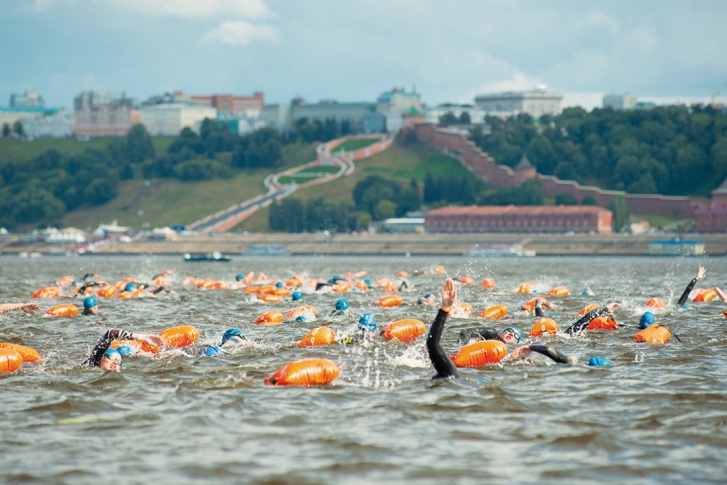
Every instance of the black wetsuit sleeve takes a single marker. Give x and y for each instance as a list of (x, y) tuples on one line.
[(481, 333), (539, 311), (441, 362), (581, 324), (685, 296), (94, 358), (550, 352)]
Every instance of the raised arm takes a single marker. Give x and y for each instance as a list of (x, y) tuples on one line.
[(29, 308), (701, 273), (581, 324), (442, 363)]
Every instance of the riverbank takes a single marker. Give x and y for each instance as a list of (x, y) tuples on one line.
[(388, 244)]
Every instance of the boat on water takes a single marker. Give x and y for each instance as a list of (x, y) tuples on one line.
[(268, 250), (215, 256), (499, 251)]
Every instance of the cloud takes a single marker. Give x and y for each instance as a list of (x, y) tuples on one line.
[(191, 9), (241, 33)]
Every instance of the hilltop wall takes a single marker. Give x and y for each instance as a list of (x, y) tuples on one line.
[(457, 144)]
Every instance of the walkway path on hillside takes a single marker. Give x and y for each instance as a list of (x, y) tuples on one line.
[(228, 218)]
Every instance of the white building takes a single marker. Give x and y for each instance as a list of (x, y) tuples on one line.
[(10, 115), (477, 116), (170, 119), (534, 103), (57, 125), (620, 101), (398, 100)]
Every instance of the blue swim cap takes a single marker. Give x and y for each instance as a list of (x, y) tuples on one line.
[(516, 331), (213, 351), (297, 295), (230, 333), (125, 350), (342, 304), (129, 287), (427, 295), (279, 284), (367, 323), (112, 353), (89, 302), (599, 362), (239, 277), (368, 282), (646, 319), (300, 318)]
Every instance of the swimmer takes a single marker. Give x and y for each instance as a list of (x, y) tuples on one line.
[(341, 308), (511, 335), (29, 308), (555, 355), (366, 330), (442, 363), (428, 299), (231, 338), (581, 324), (701, 273), (90, 306), (110, 359)]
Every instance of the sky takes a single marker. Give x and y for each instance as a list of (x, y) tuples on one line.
[(448, 51)]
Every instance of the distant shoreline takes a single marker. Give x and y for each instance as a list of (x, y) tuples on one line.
[(389, 245)]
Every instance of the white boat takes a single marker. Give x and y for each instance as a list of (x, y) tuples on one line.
[(499, 251)]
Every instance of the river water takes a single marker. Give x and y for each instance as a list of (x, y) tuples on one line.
[(659, 415)]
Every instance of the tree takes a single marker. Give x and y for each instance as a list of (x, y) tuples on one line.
[(620, 212), (138, 144), (447, 119), (18, 128), (464, 118), (384, 209), (588, 200), (6, 130), (565, 198)]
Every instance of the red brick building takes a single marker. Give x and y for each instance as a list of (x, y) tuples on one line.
[(713, 218), (229, 103), (543, 218)]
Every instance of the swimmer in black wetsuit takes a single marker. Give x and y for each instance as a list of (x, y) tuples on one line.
[(511, 335), (581, 324), (546, 350), (98, 356), (685, 296), (442, 363)]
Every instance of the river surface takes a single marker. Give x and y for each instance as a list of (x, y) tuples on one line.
[(659, 415)]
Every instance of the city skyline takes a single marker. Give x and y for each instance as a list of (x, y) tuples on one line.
[(448, 51)]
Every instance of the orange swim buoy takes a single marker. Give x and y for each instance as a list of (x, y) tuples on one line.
[(389, 301), (480, 353), (656, 303), (439, 270), (28, 354), (106, 291), (402, 274), (282, 292), (361, 285), (48, 292), (180, 336), (530, 305), (525, 288), (301, 310), (318, 336), (602, 323), (269, 319), (341, 288), (544, 325), (489, 283), (306, 372), (588, 308), (10, 360), (63, 310), (466, 280), (137, 345), (559, 291), (293, 282), (389, 287), (706, 295), (270, 298), (128, 295), (66, 280), (653, 334), (404, 330), (496, 312)]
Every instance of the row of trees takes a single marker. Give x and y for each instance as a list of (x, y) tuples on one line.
[(671, 150), (16, 129)]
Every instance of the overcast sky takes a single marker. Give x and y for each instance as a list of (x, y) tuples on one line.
[(353, 50)]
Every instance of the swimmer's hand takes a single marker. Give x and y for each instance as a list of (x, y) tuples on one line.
[(449, 294), (30, 308), (149, 338), (701, 273), (520, 352), (612, 307)]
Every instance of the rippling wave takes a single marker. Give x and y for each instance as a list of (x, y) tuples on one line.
[(657, 416)]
